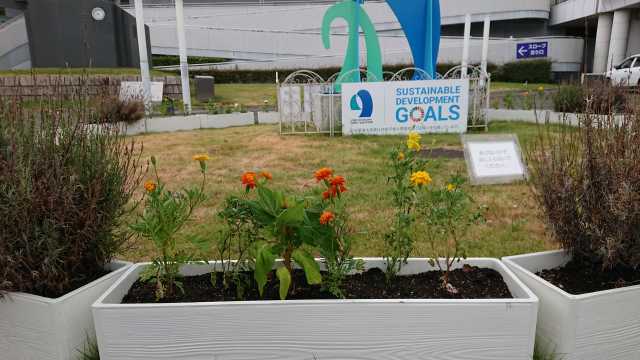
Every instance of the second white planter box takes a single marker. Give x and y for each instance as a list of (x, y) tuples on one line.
[(596, 326), (38, 328), (494, 329)]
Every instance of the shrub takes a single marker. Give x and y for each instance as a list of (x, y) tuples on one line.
[(533, 71), (63, 195), (113, 110), (587, 182), (569, 99)]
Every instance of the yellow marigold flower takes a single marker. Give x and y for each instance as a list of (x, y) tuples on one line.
[(540, 88), (413, 141), (413, 145), (450, 187), (150, 186), (420, 178), (201, 157), (414, 136), (401, 156)]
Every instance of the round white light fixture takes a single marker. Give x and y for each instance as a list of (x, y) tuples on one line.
[(98, 14)]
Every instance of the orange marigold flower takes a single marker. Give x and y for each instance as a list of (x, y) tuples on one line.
[(323, 174), (326, 217), (267, 175), (338, 181), (150, 186), (249, 180)]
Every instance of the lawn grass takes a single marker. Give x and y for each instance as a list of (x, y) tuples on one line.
[(246, 94), (512, 224), (506, 86)]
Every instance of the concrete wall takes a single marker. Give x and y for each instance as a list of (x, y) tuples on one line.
[(266, 33), (67, 85), (572, 10), (62, 33), (14, 44)]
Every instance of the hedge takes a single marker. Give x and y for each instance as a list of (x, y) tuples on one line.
[(538, 71), (168, 60), (533, 71)]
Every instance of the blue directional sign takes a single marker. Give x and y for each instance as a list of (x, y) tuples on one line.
[(532, 50)]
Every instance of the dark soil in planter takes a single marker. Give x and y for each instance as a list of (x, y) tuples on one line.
[(442, 153), (580, 278), (470, 282)]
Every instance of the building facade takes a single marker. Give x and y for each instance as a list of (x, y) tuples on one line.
[(577, 35)]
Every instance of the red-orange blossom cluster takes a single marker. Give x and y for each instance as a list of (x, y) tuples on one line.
[(335, 184)]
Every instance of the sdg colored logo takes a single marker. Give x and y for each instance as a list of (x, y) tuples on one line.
[(363, 102)]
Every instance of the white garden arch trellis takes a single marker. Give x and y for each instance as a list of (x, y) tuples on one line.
[(297, 101), (479, 93)]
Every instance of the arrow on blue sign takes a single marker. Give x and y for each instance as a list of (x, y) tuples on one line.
[(532, 50)]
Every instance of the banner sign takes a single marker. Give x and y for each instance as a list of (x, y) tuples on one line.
[(532, 50), (398, 107)]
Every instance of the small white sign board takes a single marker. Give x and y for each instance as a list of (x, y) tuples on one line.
[(133, 90), (494, 159)]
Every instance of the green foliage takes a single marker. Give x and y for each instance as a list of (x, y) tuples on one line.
[(269, 76), (90, 350), (167, 60), (288, 224), (404, 161), (165, 213), (569, 99), (64, 190), (508, 101), (532, 71), (447, 213)]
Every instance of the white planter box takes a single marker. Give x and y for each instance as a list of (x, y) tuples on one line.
[(596, 326), (495, 329), (38, 328)]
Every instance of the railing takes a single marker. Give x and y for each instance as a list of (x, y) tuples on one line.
[(168, 3)]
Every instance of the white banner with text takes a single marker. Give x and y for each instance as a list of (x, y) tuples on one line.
[(398, 107)]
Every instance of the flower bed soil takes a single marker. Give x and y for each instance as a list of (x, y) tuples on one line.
[(442, 153), (580, 278), (470, 282)]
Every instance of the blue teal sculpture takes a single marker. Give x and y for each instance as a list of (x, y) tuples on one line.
[(420, 21)]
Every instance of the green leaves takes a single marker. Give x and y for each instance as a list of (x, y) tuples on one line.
[(309, 265), (264, 263), (285, 282)]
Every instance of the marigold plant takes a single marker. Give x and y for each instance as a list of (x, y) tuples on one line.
[(165, 213), (407, 177)]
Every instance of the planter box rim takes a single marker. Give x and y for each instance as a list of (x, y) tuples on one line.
[(530, 298), (116, 271), (511, 260)]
